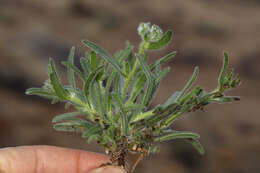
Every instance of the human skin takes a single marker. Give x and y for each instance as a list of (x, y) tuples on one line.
[(50, 159)]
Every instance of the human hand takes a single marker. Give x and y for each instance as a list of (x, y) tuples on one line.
[(50, 159)]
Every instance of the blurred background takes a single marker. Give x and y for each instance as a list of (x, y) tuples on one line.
[(32, 31)]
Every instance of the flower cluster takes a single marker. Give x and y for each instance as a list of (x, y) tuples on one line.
[(148, 33)]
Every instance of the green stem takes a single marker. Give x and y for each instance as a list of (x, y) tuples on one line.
[(131, 75)]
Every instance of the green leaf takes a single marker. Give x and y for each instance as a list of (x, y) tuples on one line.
[(129, 106), (142, 116), (104, 54), (73, 67), (127, 68), (126, 53), (173, 115), (138, 86), (161, 75), (160, 43), (172, 99), (154, 149), (85, 66), (163, 60), (191, 94), (123, 117), (130, 60), (225, 99), (66, 127), (60, 91), (117, 54), (197, 145), (94, 60), (70, 70), (72, 126), (96, 97), (93, 137), (161, 113), (65, 117), (108, 85), (189, 83), (91, 131), (40, 92), (223, 72), (117, 83), (177, 135), (151, 82), (90, 78)]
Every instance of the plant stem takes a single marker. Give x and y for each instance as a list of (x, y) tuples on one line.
[(131, 75)]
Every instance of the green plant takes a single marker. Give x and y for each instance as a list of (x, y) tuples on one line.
[(113, 104)]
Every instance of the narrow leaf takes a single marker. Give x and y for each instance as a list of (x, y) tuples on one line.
[(189, 83), (172, 99), (197, 145), (142, 116), (163, 60), (40, 92), (161, 75), (72, 126), (95, 94), (65, 117), (90, 78), (138, 86), (93, 137), (91, 131), (94, 60), (85, 65), (125, 54), (174, 115), (70, 70), (104, 54), (226, 99), (223, 72), (151, 82), (73, 67), (60, 91), (177, 135), (124, 120)]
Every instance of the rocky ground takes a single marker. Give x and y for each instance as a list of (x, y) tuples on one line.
[(31, 32)]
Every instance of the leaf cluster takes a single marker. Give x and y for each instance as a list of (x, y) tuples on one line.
[(113, 102)]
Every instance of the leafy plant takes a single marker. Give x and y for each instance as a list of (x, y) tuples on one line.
[(113, 106)]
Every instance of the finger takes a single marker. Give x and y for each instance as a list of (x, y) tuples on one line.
[(109, 169), (48, 159)]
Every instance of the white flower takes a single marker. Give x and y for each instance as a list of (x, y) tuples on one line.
[(155, 33)]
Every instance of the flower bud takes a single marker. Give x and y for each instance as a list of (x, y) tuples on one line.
[(143, 29), (148, 33), (155, 33)]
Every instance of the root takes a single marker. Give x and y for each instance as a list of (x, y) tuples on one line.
[(140, 158)]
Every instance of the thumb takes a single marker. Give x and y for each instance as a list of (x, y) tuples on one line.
[(108, 169)]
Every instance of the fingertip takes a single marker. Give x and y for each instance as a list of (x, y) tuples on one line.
[(108, 169)]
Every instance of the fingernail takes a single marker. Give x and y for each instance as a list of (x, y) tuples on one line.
[(108, 169)]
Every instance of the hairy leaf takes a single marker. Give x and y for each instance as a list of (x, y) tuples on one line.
[(160, 43), (189, 83), (60, 91), (223, 71), (104, 54), (177, 135)]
